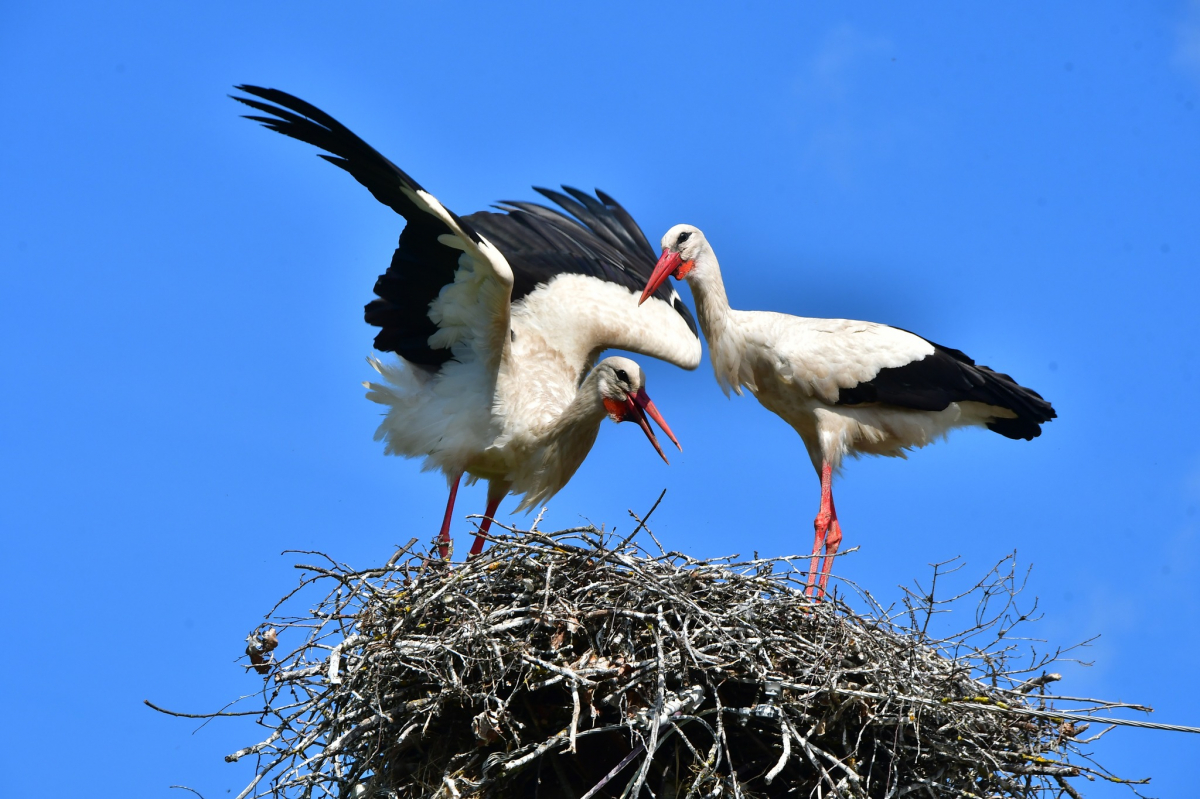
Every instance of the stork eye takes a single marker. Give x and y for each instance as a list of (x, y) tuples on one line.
[(623, 376), (683, 237)]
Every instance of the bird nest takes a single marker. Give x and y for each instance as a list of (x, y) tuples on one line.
[(578, 665)]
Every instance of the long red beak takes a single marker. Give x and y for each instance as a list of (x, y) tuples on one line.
[(667, 264), (638, 404)]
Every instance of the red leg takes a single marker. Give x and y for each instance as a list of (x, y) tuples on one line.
[(496, 493), (832, 541), (821, 524), (444, 536)]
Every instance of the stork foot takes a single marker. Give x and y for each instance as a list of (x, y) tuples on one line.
[(821, 530), (828, 536), (443, 539), (826, 516), (832, 541)]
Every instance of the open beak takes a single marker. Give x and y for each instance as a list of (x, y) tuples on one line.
[(667, 264), (637, 405)]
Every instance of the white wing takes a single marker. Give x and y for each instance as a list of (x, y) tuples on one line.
[(821, 357)]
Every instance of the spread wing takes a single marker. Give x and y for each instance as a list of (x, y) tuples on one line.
[(447, 292)]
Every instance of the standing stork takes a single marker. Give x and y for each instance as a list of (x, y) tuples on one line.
[(498, 320), (848, 388)]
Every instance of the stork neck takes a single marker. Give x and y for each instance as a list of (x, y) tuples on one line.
[(585, 411), (708, 289), (566, 441)]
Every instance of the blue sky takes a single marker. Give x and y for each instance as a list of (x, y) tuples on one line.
[(181, 316)]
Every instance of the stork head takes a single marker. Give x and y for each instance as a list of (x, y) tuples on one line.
[(622, 387), (681, 246)]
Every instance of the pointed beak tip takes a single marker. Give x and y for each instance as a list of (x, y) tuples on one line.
[(636, 405), (645, 406), (657, 447)]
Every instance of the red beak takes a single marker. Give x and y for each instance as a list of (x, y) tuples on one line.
[(637, 405), (667, 264)]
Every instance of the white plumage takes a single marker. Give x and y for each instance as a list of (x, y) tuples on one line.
[(847, 387), (499, 320)]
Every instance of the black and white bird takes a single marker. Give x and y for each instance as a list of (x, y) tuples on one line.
[(499, 319), (848, 388)]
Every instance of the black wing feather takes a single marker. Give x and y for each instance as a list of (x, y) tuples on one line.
[(303, 121), (599, 219), (420, 265), (949, 375), (632, 229)]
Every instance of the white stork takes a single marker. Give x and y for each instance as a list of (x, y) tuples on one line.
[(848, 388), (498, 320)]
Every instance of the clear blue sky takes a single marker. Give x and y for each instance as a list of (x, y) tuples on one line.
[(181, 316)]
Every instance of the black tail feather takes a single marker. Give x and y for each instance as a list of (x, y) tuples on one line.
[(948, 375)]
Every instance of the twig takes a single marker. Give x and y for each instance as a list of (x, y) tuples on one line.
[(219, 713)]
